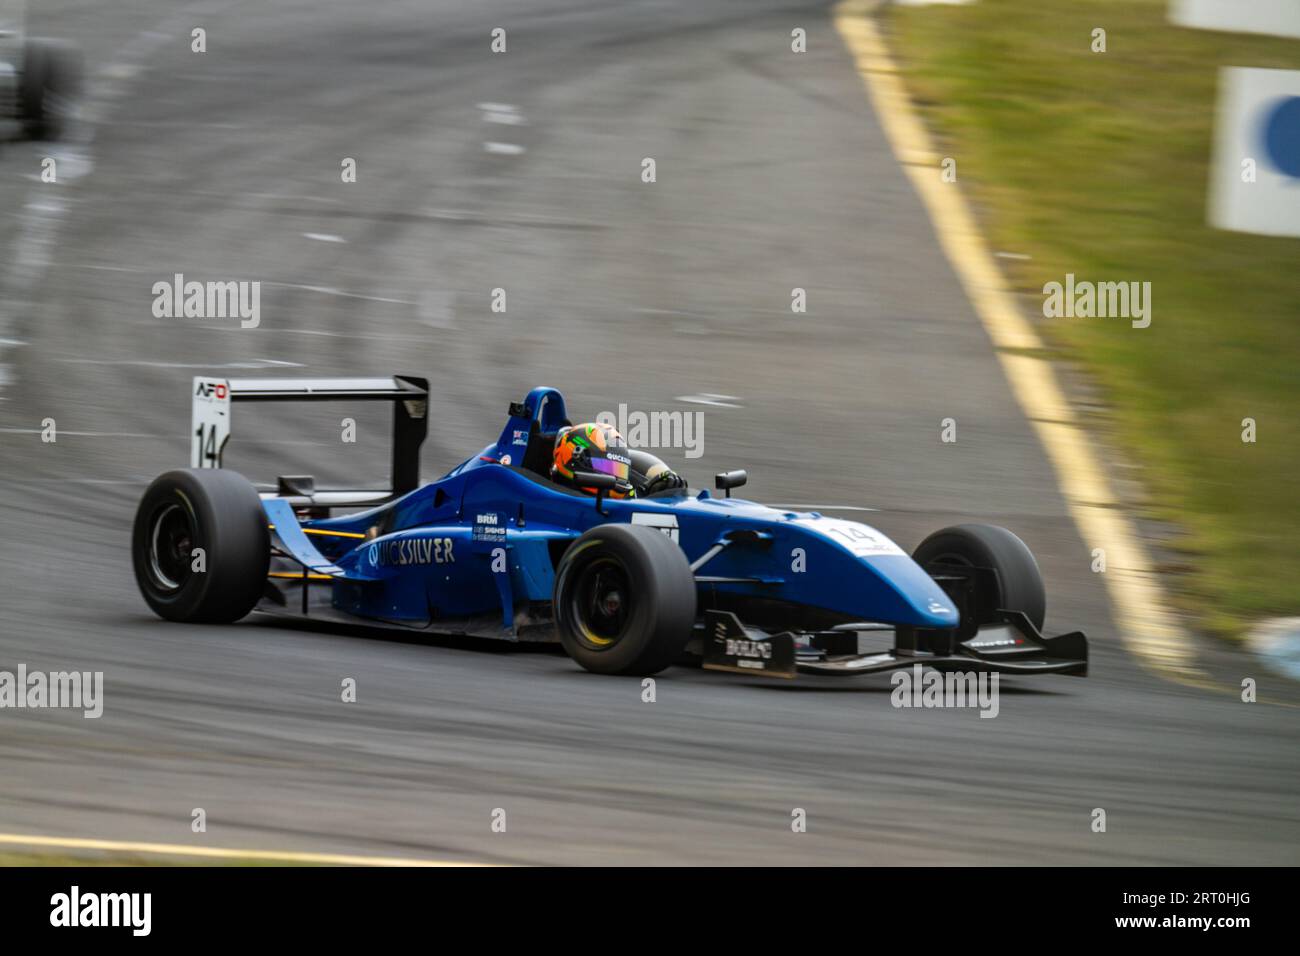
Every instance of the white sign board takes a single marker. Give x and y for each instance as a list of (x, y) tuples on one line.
[(665, 523), (209, 421), (1275, 17), (1255, 177)]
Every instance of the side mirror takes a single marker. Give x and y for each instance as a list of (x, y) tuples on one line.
[(726, 480), (595, 479)]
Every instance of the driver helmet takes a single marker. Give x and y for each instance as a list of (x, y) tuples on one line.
[(592, 447)]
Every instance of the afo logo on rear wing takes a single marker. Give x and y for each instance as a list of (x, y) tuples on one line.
[(209, 421)]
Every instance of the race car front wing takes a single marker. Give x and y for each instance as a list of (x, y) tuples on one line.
[(1011, 644)]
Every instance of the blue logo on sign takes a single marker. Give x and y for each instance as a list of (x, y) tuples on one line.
[(1282, 136)]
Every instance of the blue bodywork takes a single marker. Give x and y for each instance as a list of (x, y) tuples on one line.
[(477, 549)]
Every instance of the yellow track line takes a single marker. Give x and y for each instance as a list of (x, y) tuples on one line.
[(219, 853), (1146, 626)]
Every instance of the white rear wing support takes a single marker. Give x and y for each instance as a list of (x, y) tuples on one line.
[(211, 400)]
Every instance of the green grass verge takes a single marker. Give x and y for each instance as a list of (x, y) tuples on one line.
[(1097, 164)]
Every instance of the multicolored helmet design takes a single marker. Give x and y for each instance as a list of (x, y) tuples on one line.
[(593, 447)]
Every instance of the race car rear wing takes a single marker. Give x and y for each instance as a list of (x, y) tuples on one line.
[(211, 399)]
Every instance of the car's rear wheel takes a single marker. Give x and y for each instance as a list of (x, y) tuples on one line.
[(49, 87), (1019, 584), (201, 546), (624, 600)]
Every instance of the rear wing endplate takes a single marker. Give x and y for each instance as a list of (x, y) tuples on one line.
[(211, 400)]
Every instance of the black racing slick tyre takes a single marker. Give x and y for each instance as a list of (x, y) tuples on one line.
[(624, 600), (49, 87), (217, 511), (1020, 584)]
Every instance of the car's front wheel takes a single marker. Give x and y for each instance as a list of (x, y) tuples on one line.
[(1019, 584), (624, 600), (201, 546)]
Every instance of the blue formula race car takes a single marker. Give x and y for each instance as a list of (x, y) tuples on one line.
[(628, 585)]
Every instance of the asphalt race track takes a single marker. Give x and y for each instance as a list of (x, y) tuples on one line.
[(772, 173)]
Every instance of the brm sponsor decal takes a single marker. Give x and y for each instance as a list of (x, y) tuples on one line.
[(489, 526), (407, 551)]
